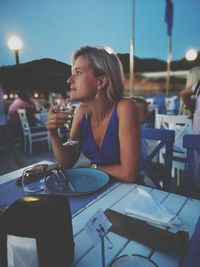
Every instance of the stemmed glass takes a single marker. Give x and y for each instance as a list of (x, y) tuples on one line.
[(67, 106)]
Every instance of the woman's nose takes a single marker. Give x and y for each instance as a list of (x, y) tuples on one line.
[(70, 79)]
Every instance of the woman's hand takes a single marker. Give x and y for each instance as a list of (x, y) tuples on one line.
[(56, 119), (66, 156)]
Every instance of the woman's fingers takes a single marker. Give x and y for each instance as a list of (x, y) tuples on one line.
[(56, 119), (54, 109), (56, 122)]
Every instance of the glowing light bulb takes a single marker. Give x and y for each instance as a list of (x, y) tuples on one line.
[(15, 43), (191, 54)]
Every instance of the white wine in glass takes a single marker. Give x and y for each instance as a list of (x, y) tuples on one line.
[(68, 108)]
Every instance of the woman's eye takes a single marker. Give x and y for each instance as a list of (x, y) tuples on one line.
[(77, 72)]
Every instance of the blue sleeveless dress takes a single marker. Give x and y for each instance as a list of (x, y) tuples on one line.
[(109, 152)]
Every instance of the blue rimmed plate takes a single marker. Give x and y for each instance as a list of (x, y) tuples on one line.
[(83, 180)]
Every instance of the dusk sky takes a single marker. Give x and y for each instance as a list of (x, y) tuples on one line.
[(55, 28)]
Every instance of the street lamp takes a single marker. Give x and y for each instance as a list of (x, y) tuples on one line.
[(15, 44)]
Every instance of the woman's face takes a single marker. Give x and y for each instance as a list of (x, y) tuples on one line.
[(83, 83)]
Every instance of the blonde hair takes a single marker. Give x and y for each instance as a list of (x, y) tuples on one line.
[(104, 63), (193, 76)]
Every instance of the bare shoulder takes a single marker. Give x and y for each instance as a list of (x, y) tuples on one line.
[(126, 105), (128, 115)]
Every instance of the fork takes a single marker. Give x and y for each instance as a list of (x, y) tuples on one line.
[(66, 180), (66, 183)]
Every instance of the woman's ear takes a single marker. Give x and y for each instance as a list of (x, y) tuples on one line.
[(102, 82)]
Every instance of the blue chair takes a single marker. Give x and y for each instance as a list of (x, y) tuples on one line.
[(159, 101), (192, 143), (165, 140)]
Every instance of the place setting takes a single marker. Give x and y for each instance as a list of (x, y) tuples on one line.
[(84, 183), (76, 181)]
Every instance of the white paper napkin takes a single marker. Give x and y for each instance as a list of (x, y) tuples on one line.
[(143, 206), (22, 251)]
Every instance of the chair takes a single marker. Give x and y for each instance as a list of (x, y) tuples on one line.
[(164, 138), (172, 105), (159, 102), (182, 125), (32, 134), (192, 143)]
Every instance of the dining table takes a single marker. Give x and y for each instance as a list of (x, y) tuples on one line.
[(116, 197)]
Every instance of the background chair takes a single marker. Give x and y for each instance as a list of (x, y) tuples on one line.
[(32, 134), (182, 125), (163, 138), (192, 143), (159, 102), (172, 105)]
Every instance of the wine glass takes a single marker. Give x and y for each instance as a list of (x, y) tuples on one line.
[(133, 260), (67, 106)]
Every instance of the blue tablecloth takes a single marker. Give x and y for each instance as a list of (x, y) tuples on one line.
[(9, 193)]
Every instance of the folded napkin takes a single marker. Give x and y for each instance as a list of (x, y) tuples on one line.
[(145, 207), (148, 234)]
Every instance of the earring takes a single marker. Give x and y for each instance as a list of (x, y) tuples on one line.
[(97, 95)]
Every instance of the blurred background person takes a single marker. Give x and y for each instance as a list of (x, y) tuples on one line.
[(8, 152), (3, 120), (191, 98), (22, 102), (192, 78), (2, 110), (40, 101)]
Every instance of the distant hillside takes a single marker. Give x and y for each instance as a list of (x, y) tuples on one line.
[(50, 75), (44, 74), (155, 65)]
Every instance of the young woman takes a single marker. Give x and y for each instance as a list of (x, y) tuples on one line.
[(105, 124)]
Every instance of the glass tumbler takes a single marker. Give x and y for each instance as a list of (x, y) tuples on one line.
[(32, 180)]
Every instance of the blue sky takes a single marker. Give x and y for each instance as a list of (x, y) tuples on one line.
[(55, 28)]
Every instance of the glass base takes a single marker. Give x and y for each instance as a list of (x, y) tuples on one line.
[(70, 143), (34, 188)]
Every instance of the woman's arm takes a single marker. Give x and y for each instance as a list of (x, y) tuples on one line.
[(185, 95), (65, 155), (129, 137)]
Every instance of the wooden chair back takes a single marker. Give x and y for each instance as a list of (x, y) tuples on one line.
[(164, 138)]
